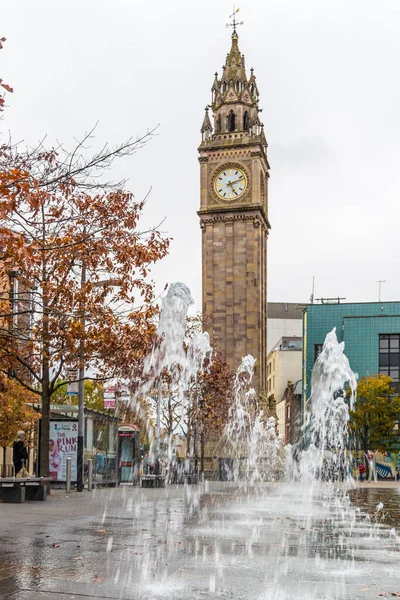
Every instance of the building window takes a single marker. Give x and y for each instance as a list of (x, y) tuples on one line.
[(317, 350), (389, 357), (246, 121), (231, 121)]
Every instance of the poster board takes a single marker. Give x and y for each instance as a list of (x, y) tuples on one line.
[(63, 445), (110, 390)]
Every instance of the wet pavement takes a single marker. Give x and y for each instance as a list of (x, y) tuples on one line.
[(216, 540)]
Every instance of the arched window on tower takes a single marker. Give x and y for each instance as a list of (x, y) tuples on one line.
[(231, 121), (246, 121), (218, 124)]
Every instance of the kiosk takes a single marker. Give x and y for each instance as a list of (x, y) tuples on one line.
[(128, 454)]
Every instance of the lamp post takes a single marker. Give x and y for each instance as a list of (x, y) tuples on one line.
[(158, 427), (80, 484), (14, 297)]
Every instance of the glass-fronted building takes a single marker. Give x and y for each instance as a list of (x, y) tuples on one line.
[(370, 331)]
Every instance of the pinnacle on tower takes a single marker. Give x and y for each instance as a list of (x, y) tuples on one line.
[(206, 122), (206, 128), (234, 98)]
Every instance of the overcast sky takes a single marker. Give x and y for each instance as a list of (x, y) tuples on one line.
[(328, 75)]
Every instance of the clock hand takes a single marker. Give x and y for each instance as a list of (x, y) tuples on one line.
[(237, 180)]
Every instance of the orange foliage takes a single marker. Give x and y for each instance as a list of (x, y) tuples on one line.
[(2, 84), (14, 412), (82, 263)]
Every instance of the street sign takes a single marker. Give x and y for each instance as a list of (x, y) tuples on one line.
[(73, 386)]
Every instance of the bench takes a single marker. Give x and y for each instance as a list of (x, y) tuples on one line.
[(155, 481), (20, 489)]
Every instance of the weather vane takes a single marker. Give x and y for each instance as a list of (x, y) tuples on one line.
[(233, 17)]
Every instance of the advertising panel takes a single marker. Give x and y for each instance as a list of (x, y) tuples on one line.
[(110, 390), (72, 389), (63, 445), (124, 392)]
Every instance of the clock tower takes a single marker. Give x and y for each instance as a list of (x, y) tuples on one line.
[(233, 213)]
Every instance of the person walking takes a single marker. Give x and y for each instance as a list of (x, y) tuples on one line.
[(20, 452), (361, 470)]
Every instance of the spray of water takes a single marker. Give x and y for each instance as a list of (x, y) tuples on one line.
[(309, 530), (333, 387), (252, 442), (179, 361), (250, 438)]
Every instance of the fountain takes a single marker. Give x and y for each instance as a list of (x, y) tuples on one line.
[(180, 364), (283, 526), (250, 440)]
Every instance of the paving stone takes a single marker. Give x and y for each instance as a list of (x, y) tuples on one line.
[(200, 542)]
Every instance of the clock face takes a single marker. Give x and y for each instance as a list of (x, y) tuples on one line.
[(230, 183)]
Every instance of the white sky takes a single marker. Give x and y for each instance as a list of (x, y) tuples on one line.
[(328, 75)]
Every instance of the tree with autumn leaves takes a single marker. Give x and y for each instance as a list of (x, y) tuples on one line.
[(374, 419), (214, 401), (82, 264), (210, 393), (15, 413), (193, 402)]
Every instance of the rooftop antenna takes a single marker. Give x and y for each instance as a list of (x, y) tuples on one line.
[(313, 291), (234, 23), (379, 282)]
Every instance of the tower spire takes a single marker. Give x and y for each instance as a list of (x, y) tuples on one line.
[(234, 174)]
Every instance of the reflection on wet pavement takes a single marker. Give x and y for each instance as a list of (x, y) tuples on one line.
[(199, 542), (368, 498)]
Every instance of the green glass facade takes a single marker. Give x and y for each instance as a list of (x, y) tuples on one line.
[(358, 325)]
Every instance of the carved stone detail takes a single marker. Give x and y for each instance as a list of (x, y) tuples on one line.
[(231, 218)]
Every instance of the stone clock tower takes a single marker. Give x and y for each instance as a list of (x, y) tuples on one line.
[(234, 216)]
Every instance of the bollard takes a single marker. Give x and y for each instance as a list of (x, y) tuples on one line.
[(69, 469), (90, 475)]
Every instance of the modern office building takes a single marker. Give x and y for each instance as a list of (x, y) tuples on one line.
[(370, 331)]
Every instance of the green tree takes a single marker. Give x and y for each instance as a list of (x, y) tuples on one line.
[(93, 394), (375, 415)]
